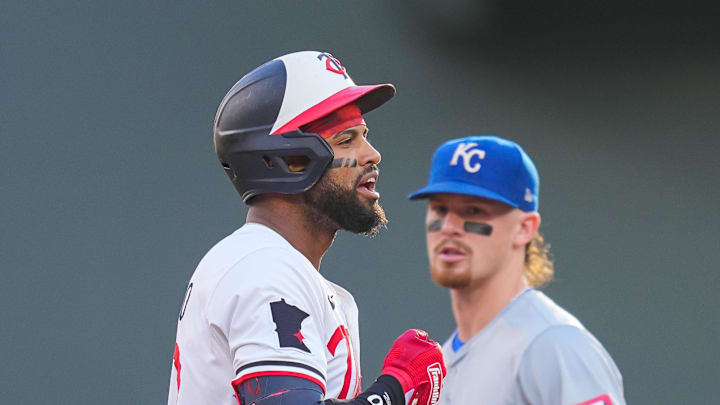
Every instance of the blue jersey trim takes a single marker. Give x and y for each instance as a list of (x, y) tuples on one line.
[(457, 343)]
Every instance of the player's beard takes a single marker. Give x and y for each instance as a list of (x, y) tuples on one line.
[(450, 279), (336, 206)]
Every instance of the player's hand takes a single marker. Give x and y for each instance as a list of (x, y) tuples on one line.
[(417, 363)]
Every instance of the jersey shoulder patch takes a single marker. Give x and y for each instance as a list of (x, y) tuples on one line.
[(288, 321)]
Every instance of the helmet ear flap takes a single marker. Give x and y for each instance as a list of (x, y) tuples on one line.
[(256, 163)]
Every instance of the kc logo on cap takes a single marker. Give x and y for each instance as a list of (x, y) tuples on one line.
[(484, 166), (465, 151)]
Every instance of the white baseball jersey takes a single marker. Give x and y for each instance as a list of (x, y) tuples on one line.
[(254, 307), (532, 353)]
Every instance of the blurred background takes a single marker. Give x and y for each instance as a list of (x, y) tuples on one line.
[(111, 192)]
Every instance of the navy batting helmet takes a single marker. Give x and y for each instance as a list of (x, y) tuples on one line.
[(258, 122)]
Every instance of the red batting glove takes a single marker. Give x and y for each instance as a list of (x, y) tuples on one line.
[(417, 363)]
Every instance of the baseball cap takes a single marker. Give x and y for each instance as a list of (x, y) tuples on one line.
[(484, 166)]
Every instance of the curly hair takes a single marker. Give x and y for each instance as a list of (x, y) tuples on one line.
[(539, 268)]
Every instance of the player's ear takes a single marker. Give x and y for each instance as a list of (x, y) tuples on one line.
[(529, 224)]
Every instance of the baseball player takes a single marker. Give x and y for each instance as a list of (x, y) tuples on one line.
[(259, 324), (513, 344)]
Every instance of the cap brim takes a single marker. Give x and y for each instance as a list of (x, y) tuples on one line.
[(368, 98), (454, 187)]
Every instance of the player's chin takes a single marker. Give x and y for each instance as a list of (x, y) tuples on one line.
[(449, 276), (380, 220), (367, 220)]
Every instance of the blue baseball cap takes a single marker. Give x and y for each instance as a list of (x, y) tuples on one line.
[(484, 166)]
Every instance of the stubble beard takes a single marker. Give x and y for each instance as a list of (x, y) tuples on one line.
[(449, 278), (333, 206)]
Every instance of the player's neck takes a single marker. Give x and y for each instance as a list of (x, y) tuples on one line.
[(475, 307), (289, 219)]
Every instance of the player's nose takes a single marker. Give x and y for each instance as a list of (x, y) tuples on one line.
[(453, 224), (369, 154)]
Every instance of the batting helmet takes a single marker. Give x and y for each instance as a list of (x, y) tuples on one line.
[(258, 122)]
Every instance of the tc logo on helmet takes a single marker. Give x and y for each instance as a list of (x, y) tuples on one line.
[(332, 64), (465, 151)]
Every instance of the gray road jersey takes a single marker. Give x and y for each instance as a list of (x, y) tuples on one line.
[(532, 352)]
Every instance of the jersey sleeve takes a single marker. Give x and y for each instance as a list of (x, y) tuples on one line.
[(565, 365), (268, 310)]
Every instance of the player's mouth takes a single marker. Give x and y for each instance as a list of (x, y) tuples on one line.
[(450, 253), (366, 185)]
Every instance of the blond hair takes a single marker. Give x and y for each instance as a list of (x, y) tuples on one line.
[(539, 268)]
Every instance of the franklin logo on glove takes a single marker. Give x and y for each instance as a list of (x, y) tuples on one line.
[(436, 375)]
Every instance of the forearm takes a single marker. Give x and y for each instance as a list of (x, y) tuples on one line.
[(281, 390)]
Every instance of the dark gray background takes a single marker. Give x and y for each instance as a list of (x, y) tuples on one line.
[(111, 192)]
